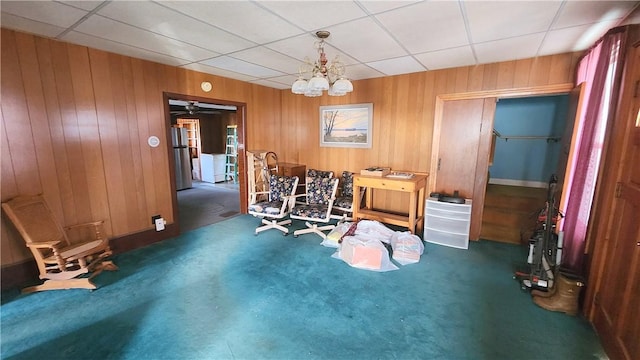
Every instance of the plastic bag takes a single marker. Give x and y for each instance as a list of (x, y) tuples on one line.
[(333, 237), (374, 229), (364, 252), (407, 248)]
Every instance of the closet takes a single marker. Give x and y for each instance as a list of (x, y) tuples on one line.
[(462, 151)]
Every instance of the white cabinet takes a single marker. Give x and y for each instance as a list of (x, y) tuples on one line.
[(447, 223), (213, 167)]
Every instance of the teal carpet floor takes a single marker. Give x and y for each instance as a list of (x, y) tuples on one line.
[(220, 292)]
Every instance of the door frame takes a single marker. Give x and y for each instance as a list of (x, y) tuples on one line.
[(241, 112), (483, 94)]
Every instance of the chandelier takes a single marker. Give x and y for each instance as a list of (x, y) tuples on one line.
[(322, 76)]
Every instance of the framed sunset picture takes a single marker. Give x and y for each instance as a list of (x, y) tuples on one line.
[(346, 125)]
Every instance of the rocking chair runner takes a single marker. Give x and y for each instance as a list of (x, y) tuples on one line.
[(61, 262)]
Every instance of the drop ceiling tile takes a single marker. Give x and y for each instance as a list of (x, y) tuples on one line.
[(581, 12), (302, 46), (242, 67), (242, 18), (187, 32), (269, 58), (575, 38), (315, 15), (493, 20), (287, 80), (357, 38), (161, 20), (272, 84), (126, 34), (361, 71), (29, 26), (47, 12), (75, 37), (375, 7), (297, 47), (396, 66), (87, 5), (448, 58), (427, 26), (219, 72), (520, 47)]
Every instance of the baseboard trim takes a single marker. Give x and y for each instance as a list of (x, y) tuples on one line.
[(130, 242), (26, 272), (511, 182)]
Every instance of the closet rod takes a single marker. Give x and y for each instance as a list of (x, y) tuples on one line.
[(548, 138)]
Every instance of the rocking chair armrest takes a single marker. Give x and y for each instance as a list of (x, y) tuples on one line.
[(45, 244), (80, 232), (89, 224)]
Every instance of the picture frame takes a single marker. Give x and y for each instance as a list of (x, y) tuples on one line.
[(346, 125)]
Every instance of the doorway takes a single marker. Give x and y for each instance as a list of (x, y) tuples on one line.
[(478, 190), (527, 142), (214, 193)]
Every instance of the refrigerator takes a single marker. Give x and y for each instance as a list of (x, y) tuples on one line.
[(181, 157)]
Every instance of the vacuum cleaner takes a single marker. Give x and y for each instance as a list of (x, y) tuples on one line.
[(545, 245)]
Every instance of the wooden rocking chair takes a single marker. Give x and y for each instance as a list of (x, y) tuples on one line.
[(61, 262)]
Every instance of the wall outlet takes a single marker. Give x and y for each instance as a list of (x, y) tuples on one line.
[(160, 222), (154, 218)]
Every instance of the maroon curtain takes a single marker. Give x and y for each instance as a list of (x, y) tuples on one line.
[(601, 71)]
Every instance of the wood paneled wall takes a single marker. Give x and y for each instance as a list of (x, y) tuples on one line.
[(403, 114), (75, 123)]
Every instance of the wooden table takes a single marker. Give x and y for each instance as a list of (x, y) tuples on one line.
[(416, 187)]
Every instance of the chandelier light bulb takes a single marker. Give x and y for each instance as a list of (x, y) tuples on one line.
[(318, 82), (299, 86)]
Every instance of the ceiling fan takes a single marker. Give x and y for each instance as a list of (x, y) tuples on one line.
[(190, 108)]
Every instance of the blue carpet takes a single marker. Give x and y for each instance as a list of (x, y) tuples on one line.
[(220, 292)]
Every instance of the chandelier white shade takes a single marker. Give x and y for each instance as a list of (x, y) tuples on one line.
[(322, 77)]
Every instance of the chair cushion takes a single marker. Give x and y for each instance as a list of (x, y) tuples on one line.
[(319, 191), (266, 207), (344, 202), (315, 174), (316, 211), (347, 183), (280, 187)]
